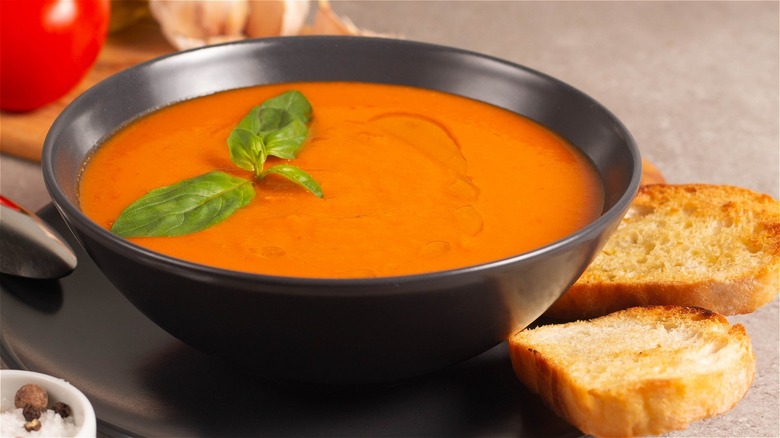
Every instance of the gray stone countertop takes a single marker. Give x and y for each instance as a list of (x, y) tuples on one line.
[(695, 82)]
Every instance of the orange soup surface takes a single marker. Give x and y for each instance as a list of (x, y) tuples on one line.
[(414, 181)]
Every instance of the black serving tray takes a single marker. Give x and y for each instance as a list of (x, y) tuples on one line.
[(144, 382)]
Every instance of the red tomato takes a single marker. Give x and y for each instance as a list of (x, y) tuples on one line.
[(46, 48)]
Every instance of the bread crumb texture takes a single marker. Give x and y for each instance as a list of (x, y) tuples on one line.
[(711, 246), (640, 371)]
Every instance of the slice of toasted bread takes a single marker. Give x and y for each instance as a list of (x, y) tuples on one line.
[(710, 246), (639, 371)]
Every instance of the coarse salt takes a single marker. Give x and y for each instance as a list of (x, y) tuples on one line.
[(52, 424)]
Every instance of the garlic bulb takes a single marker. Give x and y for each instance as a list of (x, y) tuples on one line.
[(276, 18), (194, 23), (327, 22)]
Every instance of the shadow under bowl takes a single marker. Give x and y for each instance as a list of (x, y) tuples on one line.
[(341, 331)]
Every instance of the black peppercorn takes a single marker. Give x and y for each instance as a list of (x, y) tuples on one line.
[(31, 412), (62, 409)]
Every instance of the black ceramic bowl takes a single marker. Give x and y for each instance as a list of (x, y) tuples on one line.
[(334, 331)]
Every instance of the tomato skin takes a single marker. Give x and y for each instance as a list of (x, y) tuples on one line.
[(47, 47)]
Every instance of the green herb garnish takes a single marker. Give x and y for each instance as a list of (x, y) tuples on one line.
[(185, 207), (276, 128)]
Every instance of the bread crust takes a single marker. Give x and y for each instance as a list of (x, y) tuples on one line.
[(747, 222), (700, 378)]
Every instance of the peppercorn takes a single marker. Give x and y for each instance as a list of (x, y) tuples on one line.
[(30, 413), (32, 395), (62, 409), (32, 425)]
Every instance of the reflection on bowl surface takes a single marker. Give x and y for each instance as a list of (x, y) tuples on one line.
[(342, 330), (79, 421)]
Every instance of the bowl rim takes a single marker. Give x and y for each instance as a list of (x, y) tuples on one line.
[(127, 248)]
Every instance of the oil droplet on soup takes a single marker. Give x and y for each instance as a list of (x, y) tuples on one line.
[(414, 181)]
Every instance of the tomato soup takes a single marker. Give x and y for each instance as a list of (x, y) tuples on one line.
[(414, 181)]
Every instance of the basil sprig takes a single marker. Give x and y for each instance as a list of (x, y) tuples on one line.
[(276, 128)]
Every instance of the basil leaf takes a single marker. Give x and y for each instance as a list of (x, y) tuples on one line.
[(294, 102), (272, 119), (298, 176), (251, 121), (277, 112), (246, 150), (185, 207), (286, 141)]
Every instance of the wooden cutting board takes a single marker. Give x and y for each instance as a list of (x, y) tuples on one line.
[(22, 134)]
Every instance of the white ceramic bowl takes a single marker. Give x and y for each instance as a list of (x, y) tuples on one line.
[(59, 391)]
